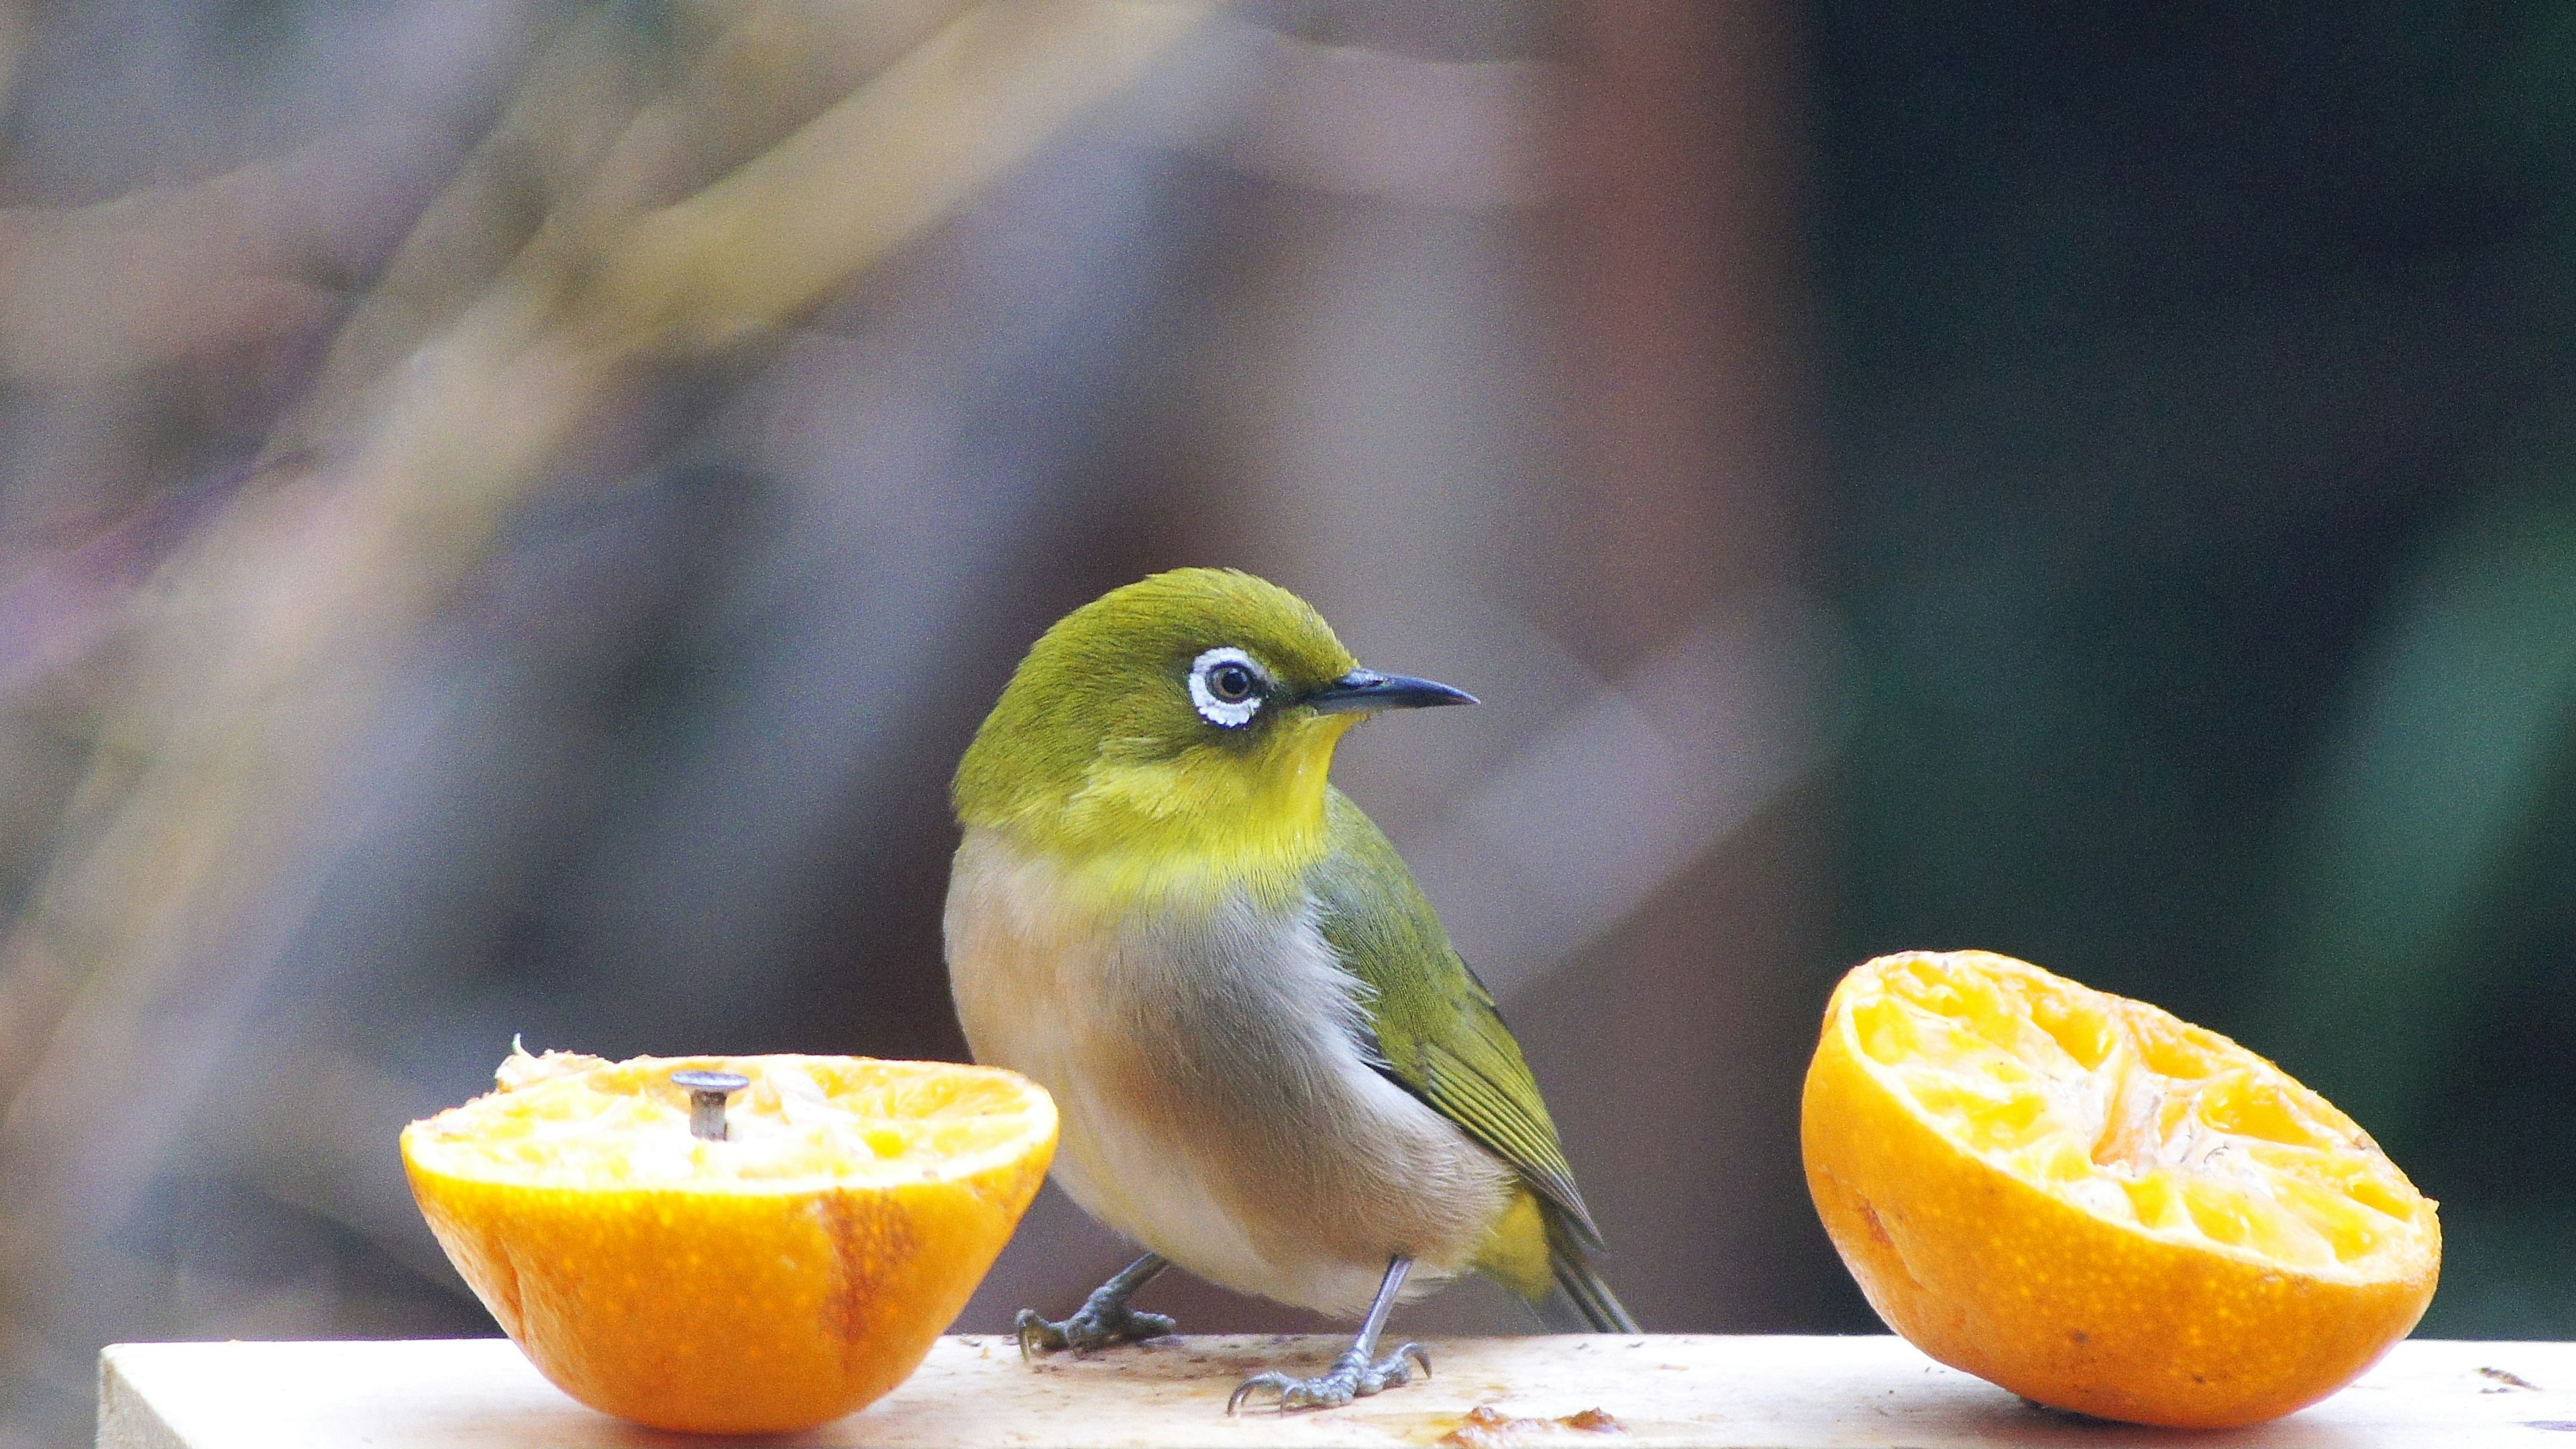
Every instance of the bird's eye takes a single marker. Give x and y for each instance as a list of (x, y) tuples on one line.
[(1225, 686), (1231, 683)]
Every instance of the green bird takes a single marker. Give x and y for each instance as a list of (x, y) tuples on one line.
[(1272, 1067)]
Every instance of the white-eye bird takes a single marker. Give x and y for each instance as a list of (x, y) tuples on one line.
[(1272, 1067)]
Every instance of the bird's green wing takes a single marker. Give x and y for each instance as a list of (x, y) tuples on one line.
[(1438, 1033)]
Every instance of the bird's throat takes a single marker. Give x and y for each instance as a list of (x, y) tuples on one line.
[(1208, 825)]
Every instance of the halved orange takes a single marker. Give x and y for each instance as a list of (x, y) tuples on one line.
[(770, 1281), (2099, 1206)]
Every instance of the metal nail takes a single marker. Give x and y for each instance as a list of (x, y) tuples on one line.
[(707, 1093)]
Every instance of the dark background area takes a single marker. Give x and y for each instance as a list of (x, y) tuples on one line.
[(2086, 485), (2196, 382)]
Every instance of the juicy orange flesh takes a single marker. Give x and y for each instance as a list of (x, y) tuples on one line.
[(2138, 1117), (800, 1124)]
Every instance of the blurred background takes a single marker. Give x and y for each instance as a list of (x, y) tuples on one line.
[(510, 510)]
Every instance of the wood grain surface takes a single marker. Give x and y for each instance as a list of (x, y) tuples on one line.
[(1695, 1390)]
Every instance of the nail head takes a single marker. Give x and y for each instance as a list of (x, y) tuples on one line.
[(707, 1093)]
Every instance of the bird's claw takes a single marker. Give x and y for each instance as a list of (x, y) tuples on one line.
[(1352, 1376), (1094, 1325)]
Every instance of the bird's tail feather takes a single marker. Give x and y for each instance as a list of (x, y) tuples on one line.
[(1591, 1297), (1578, 1283)]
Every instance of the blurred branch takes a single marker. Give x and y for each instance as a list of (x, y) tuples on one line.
[(266, 251), (574, 101), (875, 170), (201, 826), (587, 146)]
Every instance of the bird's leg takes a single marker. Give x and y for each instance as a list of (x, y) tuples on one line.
[(1104, 1318), (1357, 1373)]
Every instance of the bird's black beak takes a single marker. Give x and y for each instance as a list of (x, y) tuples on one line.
[(1368, 690)]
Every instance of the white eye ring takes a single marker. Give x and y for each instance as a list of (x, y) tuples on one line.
[(1215, 708)]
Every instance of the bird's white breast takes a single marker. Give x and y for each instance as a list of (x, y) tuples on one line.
[(1217, 1100)]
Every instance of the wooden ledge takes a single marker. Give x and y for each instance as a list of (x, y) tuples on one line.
[(1695, 1390)]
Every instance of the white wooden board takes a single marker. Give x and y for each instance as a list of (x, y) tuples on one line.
[(1695, 1390)]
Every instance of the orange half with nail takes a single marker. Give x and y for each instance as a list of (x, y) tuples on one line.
[(783, 1269)]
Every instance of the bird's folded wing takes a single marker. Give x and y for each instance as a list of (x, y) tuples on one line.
[(1437, 1031)]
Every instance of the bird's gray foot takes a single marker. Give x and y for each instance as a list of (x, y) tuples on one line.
[(1103, 1320), (1089, 1328), (1351, 1377)]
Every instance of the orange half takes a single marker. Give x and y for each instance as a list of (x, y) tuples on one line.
[(774, 1280), (2097, 1205)]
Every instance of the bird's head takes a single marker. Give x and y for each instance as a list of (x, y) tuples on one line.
[(1181, 724)]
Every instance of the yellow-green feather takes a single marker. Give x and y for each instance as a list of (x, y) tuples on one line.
[(1442, 1038)]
